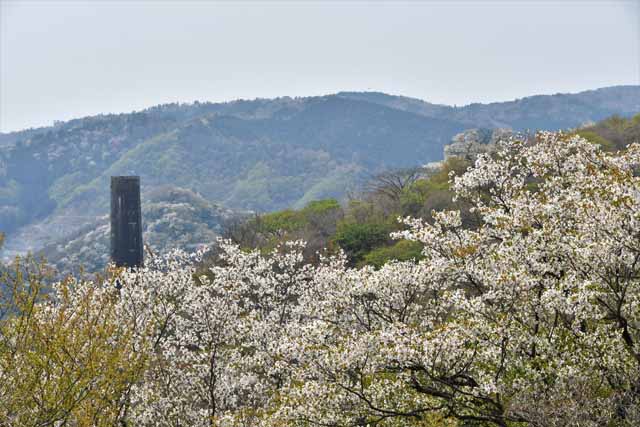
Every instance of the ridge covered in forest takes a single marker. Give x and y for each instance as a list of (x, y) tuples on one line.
[(261, 155)]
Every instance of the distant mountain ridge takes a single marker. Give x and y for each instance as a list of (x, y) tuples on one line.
[(603, 102), (262, 154), (550, 112)]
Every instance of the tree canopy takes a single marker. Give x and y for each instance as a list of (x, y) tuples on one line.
[(529, 317)]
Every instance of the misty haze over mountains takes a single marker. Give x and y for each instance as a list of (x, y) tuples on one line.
[(260, 155)]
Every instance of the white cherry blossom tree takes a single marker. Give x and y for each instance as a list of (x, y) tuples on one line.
[(531, 318)]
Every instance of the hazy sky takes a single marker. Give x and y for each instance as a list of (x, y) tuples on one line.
[(66, 59)]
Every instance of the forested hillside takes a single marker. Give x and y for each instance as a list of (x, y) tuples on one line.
[(360, 225), (262, 155), (247, 157)]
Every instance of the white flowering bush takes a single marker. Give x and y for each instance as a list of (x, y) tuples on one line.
[(533, 318), (530, 319), (215, 336)]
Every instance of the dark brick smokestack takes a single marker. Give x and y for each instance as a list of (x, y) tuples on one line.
[(126, 221)]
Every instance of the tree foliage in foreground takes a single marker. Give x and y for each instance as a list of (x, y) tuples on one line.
[(531, 318), (66, 358)]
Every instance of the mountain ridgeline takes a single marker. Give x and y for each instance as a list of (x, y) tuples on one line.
[(261, 155)]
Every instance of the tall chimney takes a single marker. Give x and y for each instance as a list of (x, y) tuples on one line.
[(126, 221)]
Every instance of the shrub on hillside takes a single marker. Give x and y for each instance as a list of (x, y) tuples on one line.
[(404, 250), (356, 240)]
